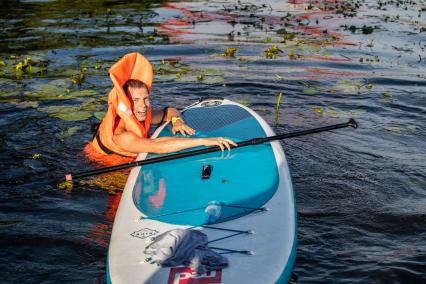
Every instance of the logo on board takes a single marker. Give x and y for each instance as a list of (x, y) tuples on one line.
[(144, 233), (185, 275)]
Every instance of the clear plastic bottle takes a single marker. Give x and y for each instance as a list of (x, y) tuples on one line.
[(213, 211)]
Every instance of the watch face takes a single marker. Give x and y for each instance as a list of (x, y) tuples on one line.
[(175, 118)]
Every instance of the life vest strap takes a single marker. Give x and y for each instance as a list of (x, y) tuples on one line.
[(165, 110), (105, 148)]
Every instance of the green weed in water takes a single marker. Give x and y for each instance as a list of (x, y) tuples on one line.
[(78, 79), (65, 185), (36, 156), (310, 91), (272, 52), (277, 109), (243, 102), (200, 78), (230, 52)]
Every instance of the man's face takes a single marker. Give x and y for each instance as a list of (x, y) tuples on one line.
[(140, 102)]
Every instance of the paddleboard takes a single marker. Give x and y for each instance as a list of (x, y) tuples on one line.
[(243, 200)]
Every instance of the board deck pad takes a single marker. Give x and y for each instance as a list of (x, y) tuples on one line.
[(244, 177)]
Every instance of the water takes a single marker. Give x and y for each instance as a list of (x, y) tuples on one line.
[(360, 193)]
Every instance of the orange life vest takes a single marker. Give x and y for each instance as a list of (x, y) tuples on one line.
[(131, 66)]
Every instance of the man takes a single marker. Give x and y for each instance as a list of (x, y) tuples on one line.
[(124, 129)]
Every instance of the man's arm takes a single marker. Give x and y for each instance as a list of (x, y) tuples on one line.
[(132, 143)]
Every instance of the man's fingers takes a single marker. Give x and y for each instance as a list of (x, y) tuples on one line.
[(188, 130), (227, 146), (233, 143), (219, 143)]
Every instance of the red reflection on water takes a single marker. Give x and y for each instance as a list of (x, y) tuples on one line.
[(100, 233), (326, 72), (314, 3), (157, 199), (326, 58), (138, 191), (169, 27)]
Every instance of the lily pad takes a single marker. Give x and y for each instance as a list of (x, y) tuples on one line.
[(412, 128), (26, 104), (166, 77), (73, 116), (392, 128), (8, 93), (68, 133), (82, 93), (73, 112), (310, 92), (348, 86), (243, 102), (187, 78), (211, 71), (50, 91), (99, 115), (318, 110), (213, 80)]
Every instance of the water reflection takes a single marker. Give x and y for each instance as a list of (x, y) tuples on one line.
[(150, 192)]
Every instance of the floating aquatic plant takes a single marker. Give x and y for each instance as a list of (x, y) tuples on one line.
[(36, 156), (367, 30), (171, 66), (287, 36), (99, 115), (63, 135), (243, 102), (278, 78), (65, 185), (348, 86), (310, 91), (200, 78), (73, 116), (364, 29), (230, 52), (277, 109), (111, 182), (292, 55), (72, 112), (78, 79), (58, 89), (318, 110), (392, 128), (272, 52)]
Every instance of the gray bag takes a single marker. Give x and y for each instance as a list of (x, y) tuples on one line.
[(185, 247)]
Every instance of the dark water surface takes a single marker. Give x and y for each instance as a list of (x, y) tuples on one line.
[(361, 194)]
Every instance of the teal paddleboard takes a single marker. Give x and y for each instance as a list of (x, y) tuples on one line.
[(246, 190)]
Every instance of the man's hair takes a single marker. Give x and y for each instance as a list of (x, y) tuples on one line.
[(132, 83)]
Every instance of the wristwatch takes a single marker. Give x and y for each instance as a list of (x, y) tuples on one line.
[(175, 119)]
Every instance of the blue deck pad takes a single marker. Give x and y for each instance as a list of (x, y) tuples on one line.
[(246, 176)]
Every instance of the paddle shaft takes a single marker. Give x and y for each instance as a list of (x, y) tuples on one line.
[(254, 141)]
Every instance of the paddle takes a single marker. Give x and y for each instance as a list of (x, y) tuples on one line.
[(254, 141)]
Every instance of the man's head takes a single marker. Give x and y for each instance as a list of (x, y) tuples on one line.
[(139, 97)]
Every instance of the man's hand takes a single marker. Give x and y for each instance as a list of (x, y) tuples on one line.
[(180, 127)]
